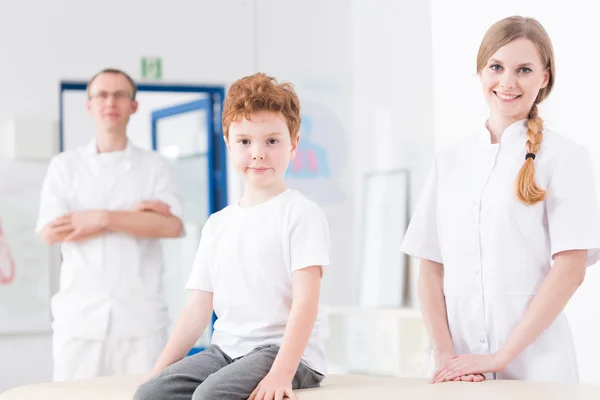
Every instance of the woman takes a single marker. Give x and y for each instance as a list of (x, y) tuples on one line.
[(506, 226)]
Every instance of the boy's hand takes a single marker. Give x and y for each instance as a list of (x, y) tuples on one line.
[(274, 386)]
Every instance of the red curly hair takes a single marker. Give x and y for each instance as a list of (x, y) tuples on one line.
[(260, 92)]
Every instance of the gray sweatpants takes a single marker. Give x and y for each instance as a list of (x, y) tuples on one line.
[(212, 375)]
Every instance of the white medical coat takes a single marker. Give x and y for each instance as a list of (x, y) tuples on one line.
[(116, 278), (496, 251)]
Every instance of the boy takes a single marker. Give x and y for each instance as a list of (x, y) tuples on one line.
[(259, 264)]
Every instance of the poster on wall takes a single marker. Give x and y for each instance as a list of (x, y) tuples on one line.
[(323, 170), (25, 261), (318, 170)]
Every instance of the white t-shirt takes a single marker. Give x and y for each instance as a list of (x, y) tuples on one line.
[(497, 251), (246, 259)]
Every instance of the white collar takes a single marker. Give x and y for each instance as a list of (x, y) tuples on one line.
[(91, 148), (516, 130)]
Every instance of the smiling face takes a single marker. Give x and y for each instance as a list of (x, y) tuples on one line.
[(515, 64), (512, 79)]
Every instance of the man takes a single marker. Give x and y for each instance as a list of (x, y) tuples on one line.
[(108, 204)]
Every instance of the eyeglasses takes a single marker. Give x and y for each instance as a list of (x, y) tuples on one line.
[(119, 95)]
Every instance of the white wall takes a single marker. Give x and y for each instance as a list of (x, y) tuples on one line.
[(15, 369), (392, 100), (460, 109), (200, 41)]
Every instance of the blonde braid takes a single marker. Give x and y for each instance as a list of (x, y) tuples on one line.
[(527, 189)]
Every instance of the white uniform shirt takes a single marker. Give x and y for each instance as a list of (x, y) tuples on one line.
[(496, 251), (114, 277), (246, 258)]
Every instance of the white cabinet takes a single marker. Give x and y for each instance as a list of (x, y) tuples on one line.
[(377, 341)]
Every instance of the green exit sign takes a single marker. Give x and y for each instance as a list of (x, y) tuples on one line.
[(151, 68)]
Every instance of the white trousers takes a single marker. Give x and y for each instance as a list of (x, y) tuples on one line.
[(78, 358)]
